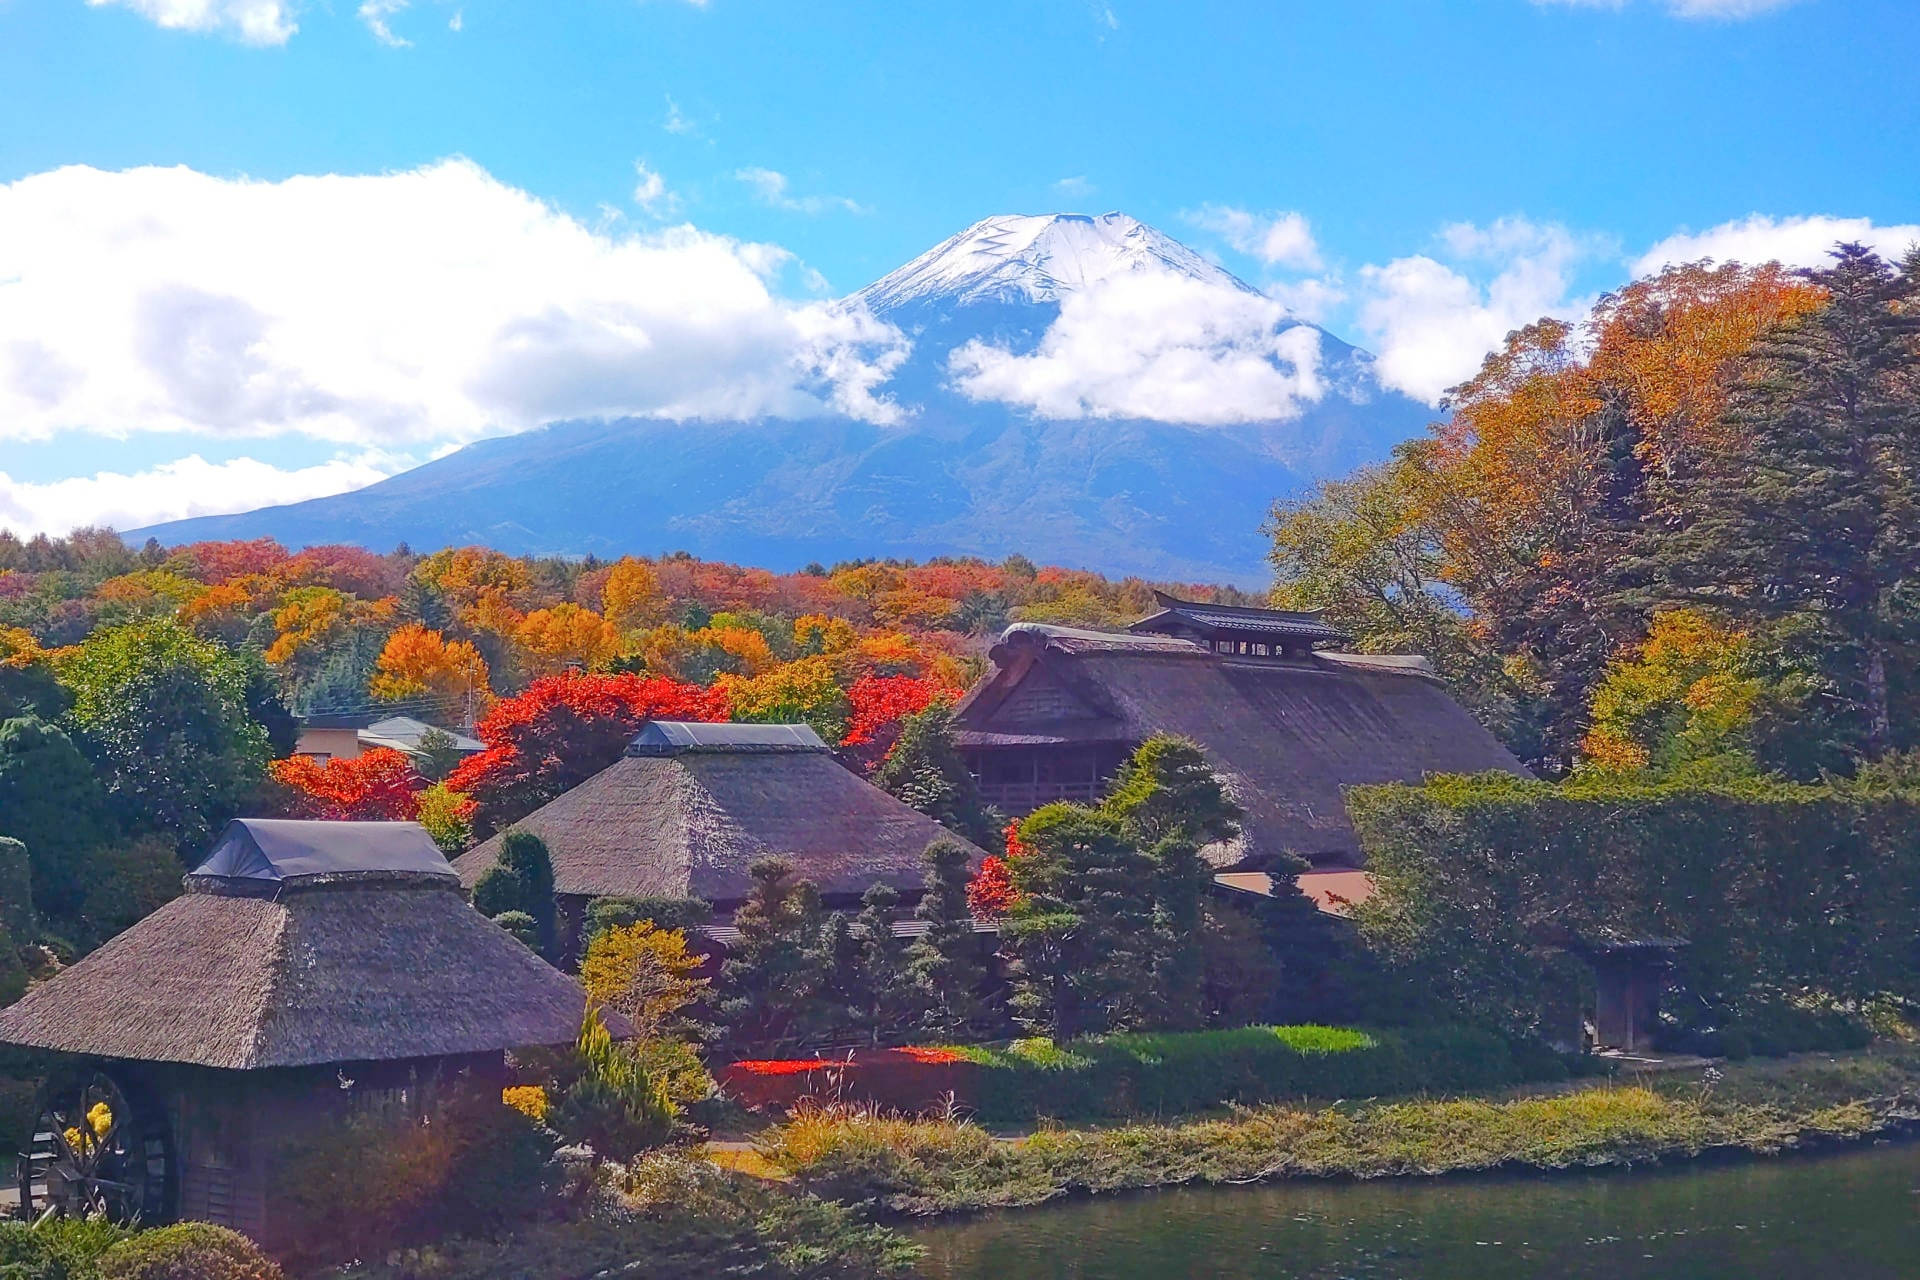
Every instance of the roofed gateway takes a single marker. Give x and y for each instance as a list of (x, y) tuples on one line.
[(1287, 724)]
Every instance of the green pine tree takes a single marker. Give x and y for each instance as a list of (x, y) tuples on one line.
[(1081, 934), (772, 977), (887, 998), (925, 771), (1812, 508), (945, 963)]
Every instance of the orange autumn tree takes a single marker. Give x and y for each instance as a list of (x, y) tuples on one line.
[(567, 636), (420, 663)]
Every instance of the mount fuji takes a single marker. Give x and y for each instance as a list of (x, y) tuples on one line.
[(1083, 390)]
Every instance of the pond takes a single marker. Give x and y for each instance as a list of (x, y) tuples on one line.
[(1851, 1216)]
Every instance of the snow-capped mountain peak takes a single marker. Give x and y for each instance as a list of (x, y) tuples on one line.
[(1037, 258)]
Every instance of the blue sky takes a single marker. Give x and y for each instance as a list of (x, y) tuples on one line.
[(1415, 175)]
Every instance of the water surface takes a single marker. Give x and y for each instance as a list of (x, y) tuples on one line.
[(1852, 1216)]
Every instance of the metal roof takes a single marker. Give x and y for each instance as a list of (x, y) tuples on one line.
[(269, 851), (680, 737)]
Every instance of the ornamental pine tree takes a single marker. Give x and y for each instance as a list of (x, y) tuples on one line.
[(945, 963), (1169, 802), (1812, 507), (1081, 933), (772, 977), (926, 772), (521, 883), (887, 998)]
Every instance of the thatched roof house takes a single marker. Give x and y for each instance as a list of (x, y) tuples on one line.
[(311, 970), (1287, 725), (299, 943), (691, 806)]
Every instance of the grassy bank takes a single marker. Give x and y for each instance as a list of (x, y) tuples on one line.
[(923, 1167)]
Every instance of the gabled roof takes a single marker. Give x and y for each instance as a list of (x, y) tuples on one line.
[(380, 962), (1286, 736), (277, 851), (1290, 624), (687, 823)]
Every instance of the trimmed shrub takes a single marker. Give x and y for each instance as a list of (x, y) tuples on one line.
[(521, 926), (188, 1251), (60, 1249), (1778, 888), (603, 914)]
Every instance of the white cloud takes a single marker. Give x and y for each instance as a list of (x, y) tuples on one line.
[(375, 14), (676, 122), (1074, 188), (250, 21), (1155, 345), (1276, 239), (1796, 242), (1313, 298), (650, 191), (1431, 324), (175, 490), (1723, 9), (772, 188), (431, 305), (458, 22)]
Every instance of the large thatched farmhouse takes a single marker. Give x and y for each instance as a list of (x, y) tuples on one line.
[(312, 971), (690, 807), (1287, 723)]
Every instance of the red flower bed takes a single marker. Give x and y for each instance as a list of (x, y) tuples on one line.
[(910, 1079)]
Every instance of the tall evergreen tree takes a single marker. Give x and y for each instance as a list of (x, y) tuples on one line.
[(1081, 932), (522, 881), (887, 998), (51, 801), (772, 976), (945, 963), (1813, 505), (1169, 803), (925, 771)]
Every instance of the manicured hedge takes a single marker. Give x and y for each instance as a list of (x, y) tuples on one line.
[(1787, 894), (1166, 1074), (1152, 1074)]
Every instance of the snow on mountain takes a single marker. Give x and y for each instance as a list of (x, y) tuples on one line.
[(1031, 258), (1083, 390)]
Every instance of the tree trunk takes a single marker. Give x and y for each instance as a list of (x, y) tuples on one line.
[(1880, 727)]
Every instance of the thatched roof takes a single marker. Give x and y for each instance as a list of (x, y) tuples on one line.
[(683, 815), (380, 962), (1286, 734)]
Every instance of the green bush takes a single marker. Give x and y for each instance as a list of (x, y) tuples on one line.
[(61, 1249), (188, 1251), (1776, 887), (16, 891), (1169, 1073), (604, 914), (521, 925), (13, 974)]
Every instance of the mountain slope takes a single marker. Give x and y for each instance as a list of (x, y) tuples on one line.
[(960, 475)]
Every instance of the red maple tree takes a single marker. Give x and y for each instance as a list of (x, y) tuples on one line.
[(379, 785), (990, 893), (561, 731)]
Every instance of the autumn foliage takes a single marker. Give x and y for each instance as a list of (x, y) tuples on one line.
[(377, 786)]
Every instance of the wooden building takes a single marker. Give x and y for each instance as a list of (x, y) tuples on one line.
[(690, 807), (1286, 721), (311, 971)]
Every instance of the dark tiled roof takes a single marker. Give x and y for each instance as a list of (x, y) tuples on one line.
[(1289, 623), (688, 825)]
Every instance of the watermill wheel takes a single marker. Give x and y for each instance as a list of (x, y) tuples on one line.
[(102, 1149)]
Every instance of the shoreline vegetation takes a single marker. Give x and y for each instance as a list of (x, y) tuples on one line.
[(902, 1167)]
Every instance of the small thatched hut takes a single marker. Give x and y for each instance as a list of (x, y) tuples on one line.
[(1287, 723), (311, 970), (691, 806)]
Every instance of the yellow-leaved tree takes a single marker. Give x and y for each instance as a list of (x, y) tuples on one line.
[(645, 973)]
